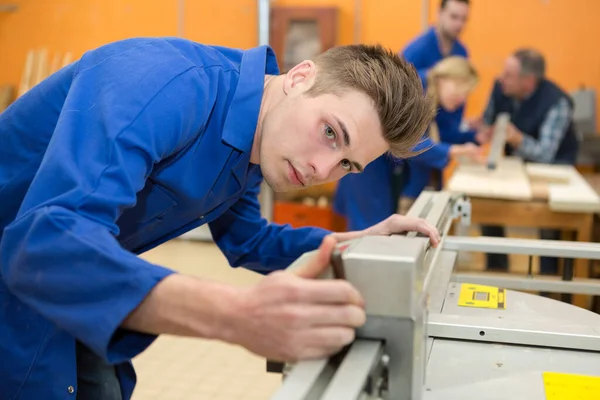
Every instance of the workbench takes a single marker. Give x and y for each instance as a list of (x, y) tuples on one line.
[(530, 195)]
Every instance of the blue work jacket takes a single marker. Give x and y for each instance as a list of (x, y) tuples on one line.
[(367, 198), (134, 144)]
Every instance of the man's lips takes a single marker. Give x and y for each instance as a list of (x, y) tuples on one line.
[(294, 176)]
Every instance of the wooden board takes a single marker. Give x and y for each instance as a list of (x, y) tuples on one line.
[(6, 96), (562, 186), (507, 181), (567, 189), (548, 173)]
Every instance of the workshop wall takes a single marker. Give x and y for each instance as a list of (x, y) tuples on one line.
[(76, 26), (564, 30)]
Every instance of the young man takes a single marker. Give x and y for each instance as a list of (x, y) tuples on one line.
[(144, 139), (541, 129), (385, 177)]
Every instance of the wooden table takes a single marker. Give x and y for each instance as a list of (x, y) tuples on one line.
[(517, 196), (537, 214)]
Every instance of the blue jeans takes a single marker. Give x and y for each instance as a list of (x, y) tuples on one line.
[(96, 380)]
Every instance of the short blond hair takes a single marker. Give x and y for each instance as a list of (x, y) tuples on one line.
[(453, 67), (391, 83)]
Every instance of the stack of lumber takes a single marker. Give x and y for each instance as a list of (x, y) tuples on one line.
[(37, 68), (7, 93)]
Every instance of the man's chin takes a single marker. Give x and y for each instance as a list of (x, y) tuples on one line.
[(275, 186)]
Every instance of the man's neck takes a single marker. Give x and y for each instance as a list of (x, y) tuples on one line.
[(271, 93), (445, 42)]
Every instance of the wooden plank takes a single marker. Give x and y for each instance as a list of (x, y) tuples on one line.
[(577, 196), (496, 154), (567, 190), (507, 181), (548, 173), (7, 93)]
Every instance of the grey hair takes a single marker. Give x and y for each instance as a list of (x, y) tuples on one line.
[(532, 62)]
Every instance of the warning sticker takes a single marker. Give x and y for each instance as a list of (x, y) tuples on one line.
[(480, 296)]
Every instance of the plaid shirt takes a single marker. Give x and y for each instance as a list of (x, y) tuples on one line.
[(552, 131)]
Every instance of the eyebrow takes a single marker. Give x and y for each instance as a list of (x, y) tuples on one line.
[(347, 141)]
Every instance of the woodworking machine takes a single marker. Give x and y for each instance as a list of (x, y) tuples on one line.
[(434, 334)]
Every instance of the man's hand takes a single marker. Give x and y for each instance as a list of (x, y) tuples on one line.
[(290, 315), (400, 223), (514, 136), (475, 123), (484, 134), (469, 151)]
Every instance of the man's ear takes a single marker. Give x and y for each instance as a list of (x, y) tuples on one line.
[(300, 77)]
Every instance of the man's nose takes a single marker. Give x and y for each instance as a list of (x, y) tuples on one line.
[(323, 167)]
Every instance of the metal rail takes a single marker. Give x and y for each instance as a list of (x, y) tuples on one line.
[(532, 247), (489, 329)]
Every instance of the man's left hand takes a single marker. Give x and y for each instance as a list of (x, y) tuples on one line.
[(399, 223), (514, 136)]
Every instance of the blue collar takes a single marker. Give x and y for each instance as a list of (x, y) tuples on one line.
[(433, 35), (240, 125)]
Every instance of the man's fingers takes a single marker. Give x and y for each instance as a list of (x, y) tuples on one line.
[(422, 226), (430, 231), (326, 338), (320, 261), (329, 291), (349, 316)]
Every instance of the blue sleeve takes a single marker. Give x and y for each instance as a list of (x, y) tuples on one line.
[(248, 240), (414, 54), (450, 131), (60, 255), (436, 156)]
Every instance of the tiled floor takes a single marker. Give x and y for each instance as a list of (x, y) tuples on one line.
[(193, 369), (175, 368)]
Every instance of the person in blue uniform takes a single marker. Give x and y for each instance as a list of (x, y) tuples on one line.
[(144, 139), (387, 179), (541, 129)]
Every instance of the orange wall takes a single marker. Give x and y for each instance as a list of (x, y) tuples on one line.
[(76, 26), (232, 23), (79, 25)]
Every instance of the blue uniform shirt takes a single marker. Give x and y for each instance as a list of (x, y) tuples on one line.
[(366, 199), (134, 144)]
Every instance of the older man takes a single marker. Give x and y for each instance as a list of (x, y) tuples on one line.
[(541, 128)]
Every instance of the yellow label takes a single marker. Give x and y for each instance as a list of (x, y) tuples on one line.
[(480, 296), (571, 387)]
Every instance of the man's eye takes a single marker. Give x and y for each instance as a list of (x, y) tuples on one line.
[(329, 132), (346, 164)]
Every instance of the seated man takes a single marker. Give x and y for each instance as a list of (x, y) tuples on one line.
[(541, 129)]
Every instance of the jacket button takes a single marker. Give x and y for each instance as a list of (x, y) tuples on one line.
[(71, 389)]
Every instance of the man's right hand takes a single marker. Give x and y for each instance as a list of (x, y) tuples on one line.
[(484, 134), (290, 315), (469, 151)]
